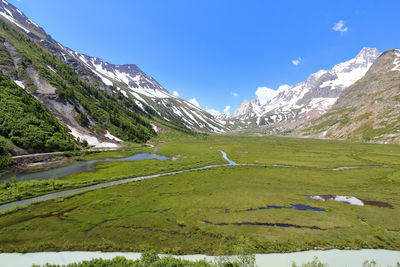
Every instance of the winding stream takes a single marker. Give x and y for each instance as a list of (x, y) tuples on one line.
[(227, 159), (87, 166), (332, 257), (28, 201)]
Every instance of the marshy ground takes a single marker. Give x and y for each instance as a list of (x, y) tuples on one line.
[(209, 210)]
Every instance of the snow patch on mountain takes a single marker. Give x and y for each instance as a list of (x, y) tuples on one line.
[(320, 104), (155, 127), (30, 21), (140, 105), (51, 68), (20, 84), (112, 137), (396, 61), (91, 140), (11, 18)]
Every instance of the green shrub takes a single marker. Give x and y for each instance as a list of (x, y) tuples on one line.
[(148, 259), (5, 161), (315, 263), (28, 123)]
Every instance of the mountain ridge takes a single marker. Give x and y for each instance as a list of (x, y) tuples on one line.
[(299, 109), (122, 81), (368, 109), (305, 100), (84, 109)]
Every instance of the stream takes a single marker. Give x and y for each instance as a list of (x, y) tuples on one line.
[(334, 257), (142, 156), (88, 166)]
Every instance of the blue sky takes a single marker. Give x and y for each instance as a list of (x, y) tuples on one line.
[(220, 51)]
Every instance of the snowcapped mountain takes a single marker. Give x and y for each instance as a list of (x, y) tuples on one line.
[(306, 100), (287, 111), (15, 15), (126, 80), (146, 91), (129, 74), (92, 116), (248, 109), (368, 110)]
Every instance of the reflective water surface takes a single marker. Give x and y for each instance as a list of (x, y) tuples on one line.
[(351, 200), (28, 201), (334, 257), (83, 166)]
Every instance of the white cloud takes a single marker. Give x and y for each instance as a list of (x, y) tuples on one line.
[(213, 112), (297, 61), (340, 27), (175, 93), (194, 102), (235, 94), (226, 110), (283, 87), (264, 94)]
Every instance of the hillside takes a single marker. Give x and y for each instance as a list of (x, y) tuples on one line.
[(27, 123), (81, 107), (369, 109), (127, 82), (100, 103)]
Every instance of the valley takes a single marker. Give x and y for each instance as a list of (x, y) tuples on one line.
[(99, 157), (208, 210)]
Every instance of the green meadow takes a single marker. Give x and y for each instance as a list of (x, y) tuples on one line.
[(187, 156), (211, 210)]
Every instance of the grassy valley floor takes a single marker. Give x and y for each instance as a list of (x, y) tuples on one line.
[(210, 211)]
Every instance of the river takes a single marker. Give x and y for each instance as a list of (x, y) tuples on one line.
[(334, 257), (28, 201)]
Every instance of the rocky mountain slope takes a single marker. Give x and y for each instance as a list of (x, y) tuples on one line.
[(27, 123), (125, 81), (294, 106), (149, 95), (92, 115), (368, 110)]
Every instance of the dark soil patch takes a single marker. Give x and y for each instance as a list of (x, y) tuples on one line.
[(96, 225), (265, 224)]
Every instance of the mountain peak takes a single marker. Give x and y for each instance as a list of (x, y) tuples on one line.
[(367, 55), (368, 51), (248, 108), (364, 59)]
